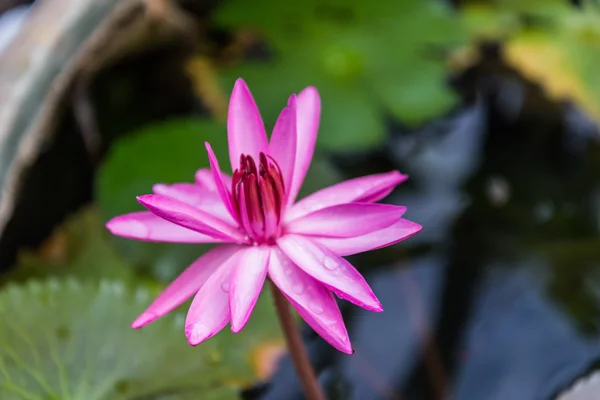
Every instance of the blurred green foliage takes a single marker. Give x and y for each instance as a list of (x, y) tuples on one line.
[(368, 61)]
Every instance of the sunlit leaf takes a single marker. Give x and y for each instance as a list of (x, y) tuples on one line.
[(71, 341), (368, 60), (563, 57)]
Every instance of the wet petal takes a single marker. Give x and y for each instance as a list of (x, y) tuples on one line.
[(347, 220), (330, 269), (209, 311), (308, 113), (186, 284), (393, 234), (283, 142), (196, 196), (245, 129), (189, 217), (313, 301), (144, 225), (366, 189), (247, 279), (223, 191)]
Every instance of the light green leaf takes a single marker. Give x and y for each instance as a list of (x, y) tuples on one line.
[(67, 340)]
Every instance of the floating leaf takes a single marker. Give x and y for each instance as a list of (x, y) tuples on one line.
[(368, 60), (71, 341), (79, 247)]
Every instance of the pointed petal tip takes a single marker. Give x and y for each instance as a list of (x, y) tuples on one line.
[(375, 306), (344, 346), (292, 99), (236, 329), (240, 85), (310, 90), (111, 224), (197, 333), (126, 226), (144, 198), (143, 320), (401, 177)]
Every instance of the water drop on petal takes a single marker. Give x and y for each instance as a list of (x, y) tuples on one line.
[(298, 287), (330, 263), (316, 307), (225, 286)]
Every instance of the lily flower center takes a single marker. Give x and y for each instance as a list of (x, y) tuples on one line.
[(258, 197)]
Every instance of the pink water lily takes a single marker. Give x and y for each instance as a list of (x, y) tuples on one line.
[(264, 231)]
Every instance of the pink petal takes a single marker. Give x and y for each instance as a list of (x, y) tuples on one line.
[(393, 234), (204, 177), (186, 284), (247, 279), (192, 218), (223, 191), (330, 269), (245, 128), (283, 142), (146, 226), (367, 189), (196, 196), (308, 113), (312, 300), (209, 311), (347, 220)]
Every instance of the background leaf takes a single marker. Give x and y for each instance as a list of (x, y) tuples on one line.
[(71, 341), (80, 247), (367, 62)]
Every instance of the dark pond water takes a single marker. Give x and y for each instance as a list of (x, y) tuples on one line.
[(498, 297)]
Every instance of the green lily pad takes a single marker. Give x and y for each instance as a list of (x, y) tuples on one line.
[(368, 60), (62, 339), (80, 247)]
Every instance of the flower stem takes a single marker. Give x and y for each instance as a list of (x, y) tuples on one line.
[(305, 371)]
